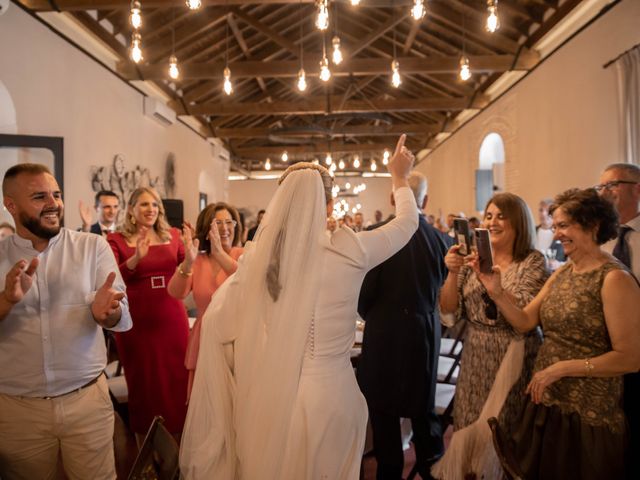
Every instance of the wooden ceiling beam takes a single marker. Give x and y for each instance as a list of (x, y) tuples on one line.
[(243, 46), (330, 104), (394, 19), (351, 130), (356, 67), (265, 30)]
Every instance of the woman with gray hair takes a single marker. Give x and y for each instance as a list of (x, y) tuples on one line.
[(274, 394)]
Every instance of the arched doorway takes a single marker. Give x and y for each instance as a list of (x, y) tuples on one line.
[(490, 172)]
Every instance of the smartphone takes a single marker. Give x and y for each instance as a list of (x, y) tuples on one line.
[(463, 235), (483, 244)]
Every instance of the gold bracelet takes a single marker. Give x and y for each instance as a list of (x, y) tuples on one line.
[(183, 273), (588, 366)]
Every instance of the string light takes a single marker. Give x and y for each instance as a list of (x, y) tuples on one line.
[(337, 54), (325, 73), (194, 4), (267, 164), (417, 12), (356, 162), (465, 71), (135, 18), (395, 75), (355, 3), (285, 156), (493, 22), (374, 166), (227, 86), (341, 165), (174, 72), (136, 50), (347, 185), (322, 20), (328, 159), (302, 80), (385, 157)]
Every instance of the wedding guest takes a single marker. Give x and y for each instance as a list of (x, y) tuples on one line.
[(107, 206), (491, 345), (211, 255), (573, 425), (153, 351)]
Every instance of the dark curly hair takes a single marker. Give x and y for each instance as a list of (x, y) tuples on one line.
[(590, 211), (207, 215)]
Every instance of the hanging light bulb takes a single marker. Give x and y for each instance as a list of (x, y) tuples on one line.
[(341, 165), (374, 166), (465, 71), (356, 162), (227, 87), (337, 54), (493, 22), (135, 18), (328, 159), (385, 157), (174, 72), (194, 4), (417, 12), (285, 156), (136, 51), (355, 3), (332, 168), (302, 80), (325, 73), (395, 75), (267, 164), (322, 20)]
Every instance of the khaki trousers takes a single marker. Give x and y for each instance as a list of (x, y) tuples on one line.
[(78, 427)]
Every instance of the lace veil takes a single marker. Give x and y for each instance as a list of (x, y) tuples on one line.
[(253, 341)]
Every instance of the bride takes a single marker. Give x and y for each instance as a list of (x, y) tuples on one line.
[(274, 394)]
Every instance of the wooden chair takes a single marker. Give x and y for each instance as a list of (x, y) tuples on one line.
[(158, 457)]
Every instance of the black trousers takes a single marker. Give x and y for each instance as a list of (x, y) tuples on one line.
[(632, 411), (387, 443)]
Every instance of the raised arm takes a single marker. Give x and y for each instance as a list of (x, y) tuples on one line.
[(181, 282), (449, 291), (383, 242)]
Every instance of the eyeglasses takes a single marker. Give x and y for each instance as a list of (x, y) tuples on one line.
[(226, 223), (614, 184)]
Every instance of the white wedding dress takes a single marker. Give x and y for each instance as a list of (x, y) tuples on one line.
[(284, 404)]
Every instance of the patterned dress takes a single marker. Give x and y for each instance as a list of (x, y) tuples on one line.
[(579, 429), (487, 340)]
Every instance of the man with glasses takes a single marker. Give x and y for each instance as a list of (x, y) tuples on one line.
[(620, 184)]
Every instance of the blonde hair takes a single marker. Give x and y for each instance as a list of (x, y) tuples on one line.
[(325, 176), (161, 227)]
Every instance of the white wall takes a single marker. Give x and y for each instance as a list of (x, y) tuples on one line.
[(256, 194), (560, 124), (58, 91)]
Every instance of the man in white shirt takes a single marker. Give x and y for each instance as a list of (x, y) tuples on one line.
[(620, 184), (57, 289), (107, 205)]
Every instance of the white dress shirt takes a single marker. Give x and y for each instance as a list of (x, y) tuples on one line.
[(633, 240), (50, 343)]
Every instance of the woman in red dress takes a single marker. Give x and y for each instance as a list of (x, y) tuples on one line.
[(152, 352)]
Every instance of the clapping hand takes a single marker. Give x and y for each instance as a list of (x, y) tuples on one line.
[(142, 243), (107, 302), (86, 215), (214, 238), (401, 162), (19, 280), (191, 244)]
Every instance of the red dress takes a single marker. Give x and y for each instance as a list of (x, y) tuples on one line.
[(152, 352)]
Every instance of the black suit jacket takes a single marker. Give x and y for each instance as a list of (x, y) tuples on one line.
[(398, 368), (95, 228)]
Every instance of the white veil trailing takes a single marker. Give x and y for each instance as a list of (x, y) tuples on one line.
[(253, 341)]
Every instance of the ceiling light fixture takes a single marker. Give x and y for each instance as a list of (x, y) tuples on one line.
[(267, 164), (285, 156), (374, 165), (395, 66), (328, 159), (174, 72), (322, 20), (355, 3), (302, 80), (337, 54), (227, 87), (136, 50), (356, 162), (465, 70), (302, 77), (418, 11), (385, 157), (135, 18), (194, 4), (341, 165), (493, 22), (325, 73)]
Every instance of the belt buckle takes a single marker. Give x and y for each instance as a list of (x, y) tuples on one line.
[(157, 282)]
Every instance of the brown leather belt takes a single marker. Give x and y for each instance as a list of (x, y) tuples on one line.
[(88, 384)]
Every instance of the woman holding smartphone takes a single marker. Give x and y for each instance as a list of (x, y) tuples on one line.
[(496, 360)]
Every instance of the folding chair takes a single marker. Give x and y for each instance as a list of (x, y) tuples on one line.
[(158, 457)]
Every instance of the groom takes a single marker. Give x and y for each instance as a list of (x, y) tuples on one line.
[(398, 367)]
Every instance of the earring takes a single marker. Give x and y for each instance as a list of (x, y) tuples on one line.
[(133, 220)]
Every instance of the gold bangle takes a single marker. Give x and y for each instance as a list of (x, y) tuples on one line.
[(588, 366), (183, 273)]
